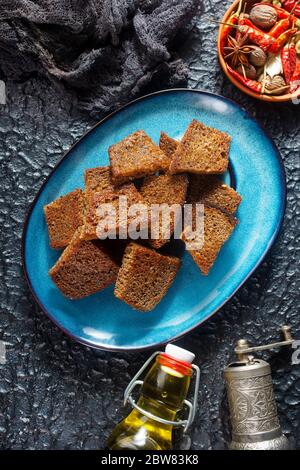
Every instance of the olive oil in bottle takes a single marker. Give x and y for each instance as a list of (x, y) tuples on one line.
[(150, 424)]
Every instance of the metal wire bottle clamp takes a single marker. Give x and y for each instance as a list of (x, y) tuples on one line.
[(191, 406)]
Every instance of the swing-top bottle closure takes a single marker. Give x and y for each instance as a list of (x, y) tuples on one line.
[(175, 361)]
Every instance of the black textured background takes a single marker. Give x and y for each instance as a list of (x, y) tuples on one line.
[(55, 394)]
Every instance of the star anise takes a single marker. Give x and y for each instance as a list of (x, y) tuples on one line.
[(238, 50)]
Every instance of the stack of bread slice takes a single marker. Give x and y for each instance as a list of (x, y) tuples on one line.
[(171, 173)]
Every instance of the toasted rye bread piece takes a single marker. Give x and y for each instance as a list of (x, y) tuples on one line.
[(98, 179), (210, 190), (144, 277), (164, 189), (218, 227), (168, 145), (63, 217), (85, 267), (134, 157), (202, 150), (100, 190)]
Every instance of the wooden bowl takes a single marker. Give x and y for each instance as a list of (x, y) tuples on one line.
[(270, 98)]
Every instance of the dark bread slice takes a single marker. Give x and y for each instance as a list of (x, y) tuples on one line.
[(85, 267), (202, 150), (134, 157), (168, 145), (164, 189), (98, 179), (208, 189), (63, 217), (144, 277), (218, 226), (99, 189)]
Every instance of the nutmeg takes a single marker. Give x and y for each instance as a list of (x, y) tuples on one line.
[(263, 16), (257, 56), (249, 71)]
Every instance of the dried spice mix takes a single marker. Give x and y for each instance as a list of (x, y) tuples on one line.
[(261, 46)]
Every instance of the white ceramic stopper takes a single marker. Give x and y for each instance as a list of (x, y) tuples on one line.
[(179, 353)]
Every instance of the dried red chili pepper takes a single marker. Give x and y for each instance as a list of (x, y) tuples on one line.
[(263, 40), (281, 12), (240, 22), (282, 40), (284, 24), (226, 31), (292, 5), (295, 80), (252, 84), (280, 27), (243, 21), (288, 59)]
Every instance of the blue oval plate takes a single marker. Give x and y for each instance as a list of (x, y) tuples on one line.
[(102, 321)]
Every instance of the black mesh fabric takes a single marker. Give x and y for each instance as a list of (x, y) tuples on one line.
[(108, 50)]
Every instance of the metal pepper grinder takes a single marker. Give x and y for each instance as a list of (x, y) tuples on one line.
[(253, 411)]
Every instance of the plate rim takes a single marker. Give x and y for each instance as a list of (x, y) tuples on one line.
[(103, 347)]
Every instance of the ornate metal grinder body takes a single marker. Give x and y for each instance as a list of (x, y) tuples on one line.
[(252, 405)]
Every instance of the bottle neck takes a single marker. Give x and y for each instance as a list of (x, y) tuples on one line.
[(165, 387)]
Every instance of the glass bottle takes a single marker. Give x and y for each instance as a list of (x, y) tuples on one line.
[(162, 396)]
